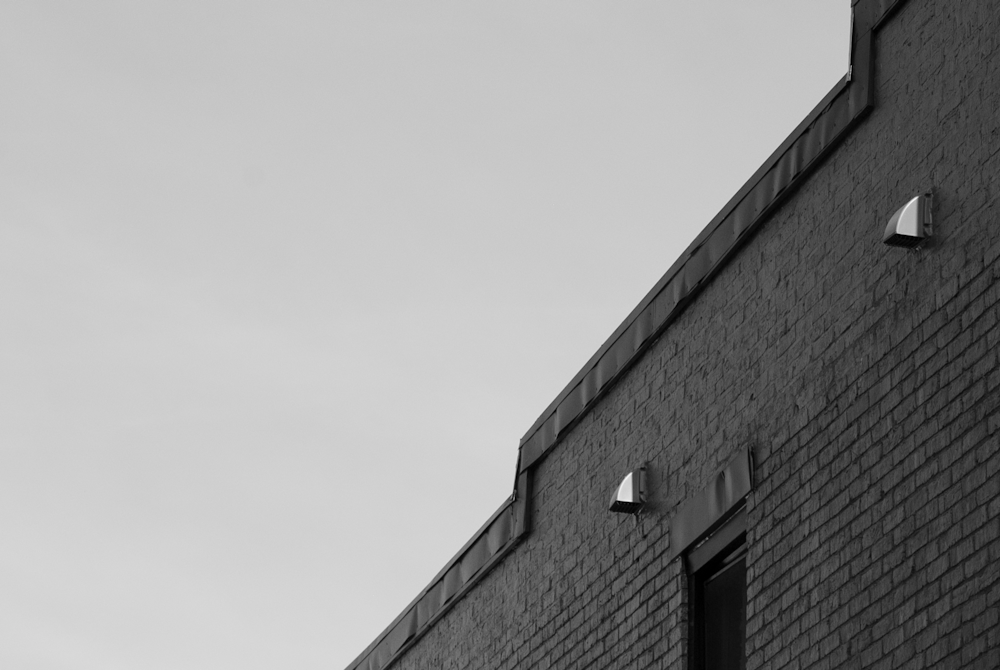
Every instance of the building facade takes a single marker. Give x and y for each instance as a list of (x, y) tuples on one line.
[(814, 414)]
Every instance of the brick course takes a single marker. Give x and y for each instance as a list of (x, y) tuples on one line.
[(863, 378)]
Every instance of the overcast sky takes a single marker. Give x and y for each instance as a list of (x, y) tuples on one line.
[(283, 284)]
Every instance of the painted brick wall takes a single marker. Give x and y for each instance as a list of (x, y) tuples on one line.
[(864, 379)]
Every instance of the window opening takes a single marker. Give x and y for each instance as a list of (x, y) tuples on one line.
[(719, 600)]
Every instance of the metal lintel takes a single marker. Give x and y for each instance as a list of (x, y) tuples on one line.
[(704, 512)]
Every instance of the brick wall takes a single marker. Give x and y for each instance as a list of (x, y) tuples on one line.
[(863, 378)]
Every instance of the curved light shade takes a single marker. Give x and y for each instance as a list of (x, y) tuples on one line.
[(631, 493), (910, 225)]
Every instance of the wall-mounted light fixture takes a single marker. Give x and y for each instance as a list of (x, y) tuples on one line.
[(631, 493), (911, 224)]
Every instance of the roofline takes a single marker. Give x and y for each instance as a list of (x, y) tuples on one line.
[(787, 168), (832, 120), (488, 546), (689, 273)]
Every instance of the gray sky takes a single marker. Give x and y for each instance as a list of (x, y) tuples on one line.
[(283, 285)]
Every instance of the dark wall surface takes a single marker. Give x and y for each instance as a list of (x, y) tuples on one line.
[(863, 379)]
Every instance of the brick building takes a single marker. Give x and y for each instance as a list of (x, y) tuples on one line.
[(816, 413)]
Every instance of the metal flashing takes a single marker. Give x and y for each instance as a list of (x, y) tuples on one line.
[(847, 103), (712, 505), (829, 122), (494, 540)]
